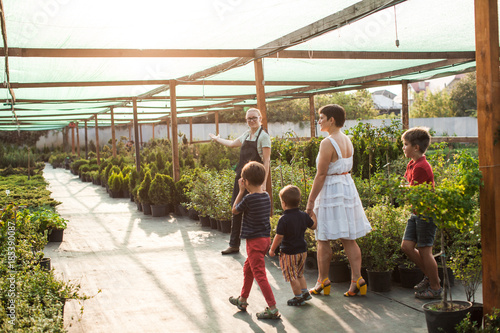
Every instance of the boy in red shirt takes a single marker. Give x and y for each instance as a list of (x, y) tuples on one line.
[(420, 232)]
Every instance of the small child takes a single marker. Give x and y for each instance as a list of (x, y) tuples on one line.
[(420, 231), (293, 250), (256, 229)]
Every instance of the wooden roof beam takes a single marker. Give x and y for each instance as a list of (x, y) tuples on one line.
[(153, 82), (227, 53)]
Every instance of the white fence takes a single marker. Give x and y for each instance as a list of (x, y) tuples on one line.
[(457, 126)]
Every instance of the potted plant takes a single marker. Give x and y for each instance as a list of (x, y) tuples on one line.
[(159, 194), (51, 223), (339, 267), (451, 204), (409, 274), (143, 193), (221, 194), (132, 184), (115, 184), (380, 249), (125, 185), (491, 324), (466, 262), (199, 196), (179, 197)]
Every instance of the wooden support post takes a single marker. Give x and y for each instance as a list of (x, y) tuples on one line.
[(405, 116), (97, 140), (153, 125), (129, 132), (72, 140), (168, 129), (175, 144), (140, 133), (86, 141), (216, 122), (190, 129), (113, 136), (312, 116), (488, 121), (77, 140), (261, 105), (261, 93), (136, 135)]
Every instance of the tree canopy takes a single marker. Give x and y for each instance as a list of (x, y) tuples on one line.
[(464, 97)]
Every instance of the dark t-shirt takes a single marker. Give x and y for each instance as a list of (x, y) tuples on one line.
[(292, 225), (256, 210), (419, 172)]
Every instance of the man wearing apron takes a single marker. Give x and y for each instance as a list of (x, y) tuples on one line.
[(255, 146)]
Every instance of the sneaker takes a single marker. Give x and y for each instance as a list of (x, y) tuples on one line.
[(306, 296), (422, 285), (296, 301), (429, 293)]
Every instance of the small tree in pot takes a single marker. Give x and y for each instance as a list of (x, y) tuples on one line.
[(143, 193), (159, 194), (451, 205)]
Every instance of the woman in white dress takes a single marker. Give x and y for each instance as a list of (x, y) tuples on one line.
[(335, 201)]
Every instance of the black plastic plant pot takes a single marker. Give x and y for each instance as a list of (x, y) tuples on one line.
[(442, 320)]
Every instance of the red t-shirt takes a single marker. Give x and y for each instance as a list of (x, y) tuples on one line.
[(419, 172)]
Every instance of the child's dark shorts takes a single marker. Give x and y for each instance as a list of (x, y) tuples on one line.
[(420, 231)]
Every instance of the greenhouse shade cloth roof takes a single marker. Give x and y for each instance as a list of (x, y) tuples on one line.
[(67, 61)]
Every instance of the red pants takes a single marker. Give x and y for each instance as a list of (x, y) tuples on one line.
[(255, 268)]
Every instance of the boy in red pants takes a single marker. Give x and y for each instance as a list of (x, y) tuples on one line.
[(256, 229)]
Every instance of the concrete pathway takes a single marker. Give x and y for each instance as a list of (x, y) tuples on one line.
[(167, 275)]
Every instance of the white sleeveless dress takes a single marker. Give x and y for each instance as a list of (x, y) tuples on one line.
[(338, 208)]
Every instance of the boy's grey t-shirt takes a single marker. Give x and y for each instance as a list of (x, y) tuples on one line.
[(256, 210)]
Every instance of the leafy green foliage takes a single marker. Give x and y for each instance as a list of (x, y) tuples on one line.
[(160, 189), (213, 155), (432, 104), (143, 190), (39, 295), (296, 173), (380, 248), (464, 96), (24, 192), (452, 202), (491, 324), (358, 105), (375, 147)]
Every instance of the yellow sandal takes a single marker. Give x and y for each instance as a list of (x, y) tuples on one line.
[(322, 287), (360, 288)]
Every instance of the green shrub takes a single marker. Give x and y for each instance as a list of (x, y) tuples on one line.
[(115, 182), (143, 190), (160, 191), (374, 147), (380, 248)]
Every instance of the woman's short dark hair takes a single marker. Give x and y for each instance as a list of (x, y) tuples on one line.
[(335, 111)]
